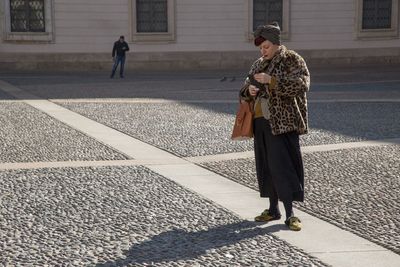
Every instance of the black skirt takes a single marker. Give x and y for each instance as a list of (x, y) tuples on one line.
[(279, 164)]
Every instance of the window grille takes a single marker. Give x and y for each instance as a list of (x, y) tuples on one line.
[(267, 11), (151, 16), (377, 14), (27, 16)]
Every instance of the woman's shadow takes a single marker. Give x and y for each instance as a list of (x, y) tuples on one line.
[(179, 244)]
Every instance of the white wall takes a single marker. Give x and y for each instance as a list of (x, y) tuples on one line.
[(91, 26), (328, 24), (83, 26)]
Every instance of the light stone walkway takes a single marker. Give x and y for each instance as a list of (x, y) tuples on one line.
[(304, 149), (329, 243), (197, 160)]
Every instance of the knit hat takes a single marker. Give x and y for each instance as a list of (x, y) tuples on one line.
[(270, 32)]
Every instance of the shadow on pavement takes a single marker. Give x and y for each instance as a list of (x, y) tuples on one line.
[(179, 244), (360, 120), (195, 85), (159, 85)]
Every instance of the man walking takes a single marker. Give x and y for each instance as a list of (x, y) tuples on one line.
[(118, 54)]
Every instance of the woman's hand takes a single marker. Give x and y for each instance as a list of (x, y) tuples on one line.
[(253, 90), (262, 78)]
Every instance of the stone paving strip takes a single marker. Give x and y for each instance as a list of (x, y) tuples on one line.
[(355, 189), (126, 216), (198, 160), (304, 149), (28, 135)]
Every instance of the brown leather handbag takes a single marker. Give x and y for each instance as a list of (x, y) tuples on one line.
[(243, 128)]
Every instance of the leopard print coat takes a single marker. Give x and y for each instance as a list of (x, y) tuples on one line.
[(286, 95)]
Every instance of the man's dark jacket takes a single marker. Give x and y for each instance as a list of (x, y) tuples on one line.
[(119, 48)]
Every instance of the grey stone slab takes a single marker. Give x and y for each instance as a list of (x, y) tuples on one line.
[(207, 89), (57, 78), (186, 89), (5, 96), (357, 190), (385, 85), (354, 94), (198, 129), (192, 85), (28, 135), (125, 216)]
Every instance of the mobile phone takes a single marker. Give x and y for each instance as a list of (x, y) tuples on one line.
[(257, 84)]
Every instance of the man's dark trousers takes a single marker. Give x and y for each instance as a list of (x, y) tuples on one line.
[(118, 60)]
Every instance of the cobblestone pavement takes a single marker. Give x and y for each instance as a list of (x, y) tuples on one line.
[(199, 129), (357, 190), (125, 216), (130, 216), (27, 135)]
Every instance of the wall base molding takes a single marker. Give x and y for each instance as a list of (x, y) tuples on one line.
[(187, 60)]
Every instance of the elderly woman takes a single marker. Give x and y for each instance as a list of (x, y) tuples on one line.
[(278, 82)]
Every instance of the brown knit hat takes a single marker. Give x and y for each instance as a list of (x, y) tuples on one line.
[(270, 32)]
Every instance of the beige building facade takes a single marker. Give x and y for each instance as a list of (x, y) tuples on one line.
[(192, 34)]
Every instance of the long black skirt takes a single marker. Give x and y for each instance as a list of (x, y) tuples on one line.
[(279, 164)]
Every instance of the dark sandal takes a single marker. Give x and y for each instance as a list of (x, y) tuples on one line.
[(293, 223), (266, 216)]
